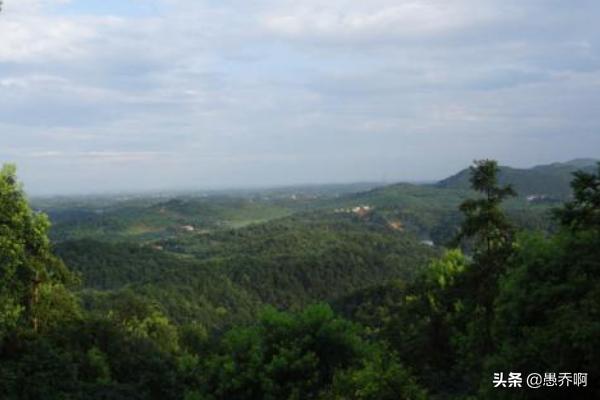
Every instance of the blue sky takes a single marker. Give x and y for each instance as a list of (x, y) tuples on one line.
[(113, 95)]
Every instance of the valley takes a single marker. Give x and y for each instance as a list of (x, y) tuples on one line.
[(216, 259), (329, 292)]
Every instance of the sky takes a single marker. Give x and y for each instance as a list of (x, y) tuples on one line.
[(128, 95)]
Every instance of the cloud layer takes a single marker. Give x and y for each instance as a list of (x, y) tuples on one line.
[(139, 94)]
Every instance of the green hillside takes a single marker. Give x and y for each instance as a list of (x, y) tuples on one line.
[(225, 276), (143, 221), (426, 211), (550, 182), (431, 212), (228, 311)]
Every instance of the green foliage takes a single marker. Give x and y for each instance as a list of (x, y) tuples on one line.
[(584, 210), (547, 313), (541, 316), (10, 313), (295, 262), (145, 220), (31, 277), (484, 221), (40, 370), (428, 211), (98, 365), (284, 356), (307, 355), (443, 272), (194, 338), (182, 288), (56, 305), (223, 278), (178, 318), (419, 319), (426, 321), (107, 266), (379, 378), (547, 316), (144, 321)]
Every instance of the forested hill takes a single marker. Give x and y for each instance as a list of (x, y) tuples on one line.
[(226, 310), (549, 181), (288, 263)]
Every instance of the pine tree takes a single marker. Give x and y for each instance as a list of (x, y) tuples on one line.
[(485, 223), (491, 234)]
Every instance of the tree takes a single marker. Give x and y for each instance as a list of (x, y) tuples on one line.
[(491, 234), (488, 227), (425, 320), (312, 354), (380, 377), (31, 277), (584, 210), (485, 222), (547, 312)]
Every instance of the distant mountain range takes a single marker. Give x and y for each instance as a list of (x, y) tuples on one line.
[(542, 181)]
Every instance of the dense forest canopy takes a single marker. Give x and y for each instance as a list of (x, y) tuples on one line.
[(399, 292)]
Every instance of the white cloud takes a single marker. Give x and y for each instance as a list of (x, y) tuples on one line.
[(358, 20), (23, 7), (98, 156), (30, 35), (244, 88)]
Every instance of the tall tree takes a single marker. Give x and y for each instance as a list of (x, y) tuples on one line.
[(31, 277), (488, 229), (485, 222)]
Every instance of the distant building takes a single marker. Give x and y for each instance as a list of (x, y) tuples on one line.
[(361, 210), (188, 228), (429, 243), (396, 225), (537, 197), (358, 210)]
